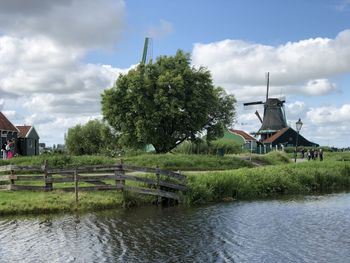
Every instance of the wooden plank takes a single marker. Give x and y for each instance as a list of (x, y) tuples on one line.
[(61, 171), (4, 187), (96, 168), (137, 179), (82, 169), (4, 178), (98, 183), (151, 192), (180, 187), (34, 168), (149, 181), (27, 177), (59, 180), (62, 174), (5, 168), (88, 178), (90, 188), (26, 187), (154, 170)]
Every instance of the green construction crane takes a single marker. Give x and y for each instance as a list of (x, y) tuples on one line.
[(146, 52)]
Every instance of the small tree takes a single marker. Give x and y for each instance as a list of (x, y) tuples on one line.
[(165, 103), (92, 138)]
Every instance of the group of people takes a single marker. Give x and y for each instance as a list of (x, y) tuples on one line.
[(312, 154), (8, 149)]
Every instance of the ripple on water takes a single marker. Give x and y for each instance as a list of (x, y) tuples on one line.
[(313, 229)]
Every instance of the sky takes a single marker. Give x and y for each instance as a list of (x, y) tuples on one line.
[(57, 57)]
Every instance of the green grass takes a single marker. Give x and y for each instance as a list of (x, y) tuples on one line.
[(164, 161), (261, 182), (28, 202), (182, 162), (237, 180), (60, 160)]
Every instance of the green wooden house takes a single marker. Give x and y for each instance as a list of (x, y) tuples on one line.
[(8, 130), (28, 141), (241, 138)]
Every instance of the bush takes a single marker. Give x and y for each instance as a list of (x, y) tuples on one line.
[(223, 145)]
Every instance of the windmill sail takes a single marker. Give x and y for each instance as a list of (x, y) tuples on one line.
[(274, 116)]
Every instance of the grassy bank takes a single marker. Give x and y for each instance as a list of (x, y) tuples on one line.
[(261, 182), (211, 185), (27, 202), (182, 162)]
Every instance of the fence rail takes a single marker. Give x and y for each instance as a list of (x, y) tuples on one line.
[(123, 177)]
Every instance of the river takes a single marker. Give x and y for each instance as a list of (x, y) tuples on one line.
[(302, 229)]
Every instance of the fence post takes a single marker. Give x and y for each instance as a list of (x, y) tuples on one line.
[(12, 180), (159, 198), (47, 178), (118, 175), (76, 179)]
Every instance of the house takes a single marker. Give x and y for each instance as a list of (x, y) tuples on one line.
[(28, 141), (241, 138), (287, 137), (8, 130)]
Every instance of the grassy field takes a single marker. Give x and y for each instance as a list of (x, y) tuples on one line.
[(182, 162)]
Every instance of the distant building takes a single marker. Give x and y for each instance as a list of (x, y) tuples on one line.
[(287, 137), (8, 130), (241, 138), (28, 141)]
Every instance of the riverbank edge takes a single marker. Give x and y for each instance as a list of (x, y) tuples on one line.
[(203, 188)]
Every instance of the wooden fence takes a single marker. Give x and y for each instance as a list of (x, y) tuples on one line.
[(163, 183)]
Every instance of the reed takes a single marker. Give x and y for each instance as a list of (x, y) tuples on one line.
[(262, 182)]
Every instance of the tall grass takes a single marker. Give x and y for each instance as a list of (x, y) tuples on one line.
[(219, 146), (181, 162), (309, 177), (60, 160), (185, 162)]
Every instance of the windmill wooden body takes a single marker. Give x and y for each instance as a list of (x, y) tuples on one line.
[(274, 118)]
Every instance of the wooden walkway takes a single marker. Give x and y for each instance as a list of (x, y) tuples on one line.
[(124, 177)]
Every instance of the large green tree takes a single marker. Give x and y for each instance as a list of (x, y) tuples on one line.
[(95, 137), (165, 103)]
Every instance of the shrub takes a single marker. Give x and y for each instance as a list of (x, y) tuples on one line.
[(220, 146)]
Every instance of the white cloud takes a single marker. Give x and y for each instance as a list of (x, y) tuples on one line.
[(295, 109), (242, 65), (318, 87), (330, 115), (163, 29), (79, 23), (43, 79)]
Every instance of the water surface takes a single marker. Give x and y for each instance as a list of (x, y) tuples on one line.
[(307, 229)]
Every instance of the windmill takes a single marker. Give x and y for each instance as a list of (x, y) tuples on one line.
[(274, 118)]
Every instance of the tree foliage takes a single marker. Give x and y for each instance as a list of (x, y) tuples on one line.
[(165, 103), (95, 137)]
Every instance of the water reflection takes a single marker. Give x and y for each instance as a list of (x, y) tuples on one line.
[(312, 229)]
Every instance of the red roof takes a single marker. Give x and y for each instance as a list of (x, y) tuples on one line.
[(5, 124), (276, 135), (245, 135), (23, 131)]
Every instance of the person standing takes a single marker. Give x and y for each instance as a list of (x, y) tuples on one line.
[(3, 150), (9, 149), (308, 155), (320, 154)]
